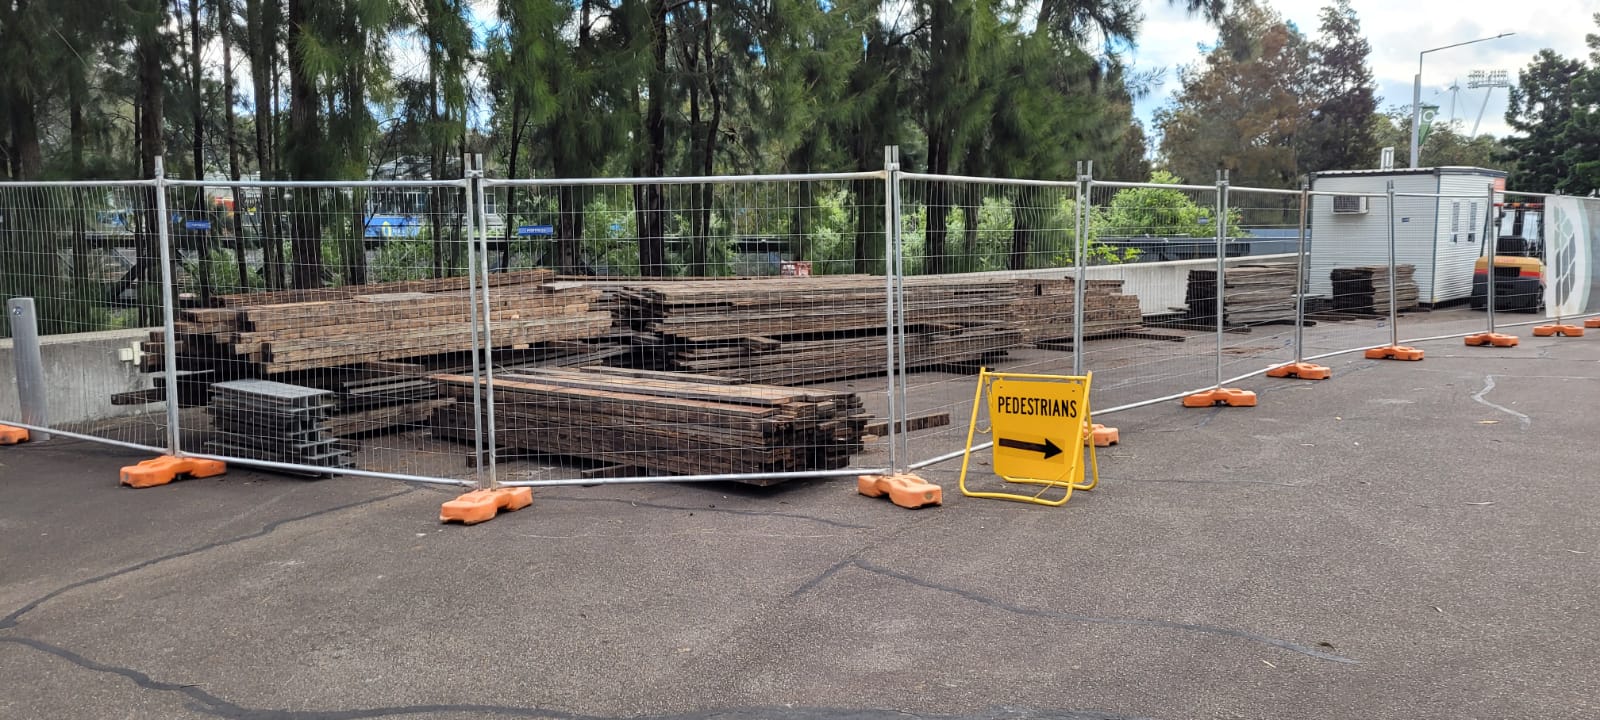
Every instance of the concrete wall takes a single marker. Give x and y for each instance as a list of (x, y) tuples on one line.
[(82, 370), (1159, 285)]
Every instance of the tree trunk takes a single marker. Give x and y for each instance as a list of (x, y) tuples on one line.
[(511, 192), (77, 129), (651, 210), (224, 13), (151, 99), (938, 200), (709, 148), (261, 47), (306, 154), (197, 111)]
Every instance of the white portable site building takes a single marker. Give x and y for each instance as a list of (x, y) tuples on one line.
[(1441, 237)]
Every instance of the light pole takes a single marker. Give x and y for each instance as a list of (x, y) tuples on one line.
[(1416, 93)]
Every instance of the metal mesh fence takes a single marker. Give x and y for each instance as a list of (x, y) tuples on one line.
[(755, 328), (317, 314), (1347, 272), (88, 256), (988, 267), (703, 327), (1260, 282), (1160, 243)]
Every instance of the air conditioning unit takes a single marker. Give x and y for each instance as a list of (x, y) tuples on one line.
[(1349, 205)]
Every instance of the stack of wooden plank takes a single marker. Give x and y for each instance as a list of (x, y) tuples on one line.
[(663, 423), (1365, 289), (809, 329), (263, 334), (1254, 294), (265, 420), (1044, 308)]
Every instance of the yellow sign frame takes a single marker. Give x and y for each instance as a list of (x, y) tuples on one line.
[(1072, 476)]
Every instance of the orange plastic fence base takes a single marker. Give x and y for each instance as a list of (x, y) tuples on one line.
[(165, 469), (480, 505), (1495, 339), (1395, 352), (1558, 331), (1231, 397), (1593, 322), (1301, 370), (1101, 435), (12, 435), (905, 489)]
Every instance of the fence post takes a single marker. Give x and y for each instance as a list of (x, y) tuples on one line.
[(1394, 350), (32, 395), (476, 203), (1080, 263), (1491, 245), (488, 498), (1300, 368), (165, 469), (169, 336), (1219, 395), (891, 219)]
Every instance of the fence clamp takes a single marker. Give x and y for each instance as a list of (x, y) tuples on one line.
[(1042, 434)]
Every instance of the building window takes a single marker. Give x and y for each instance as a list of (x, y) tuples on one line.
[(1472, 217), (1455, 221)]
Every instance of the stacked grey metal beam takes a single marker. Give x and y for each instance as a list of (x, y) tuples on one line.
[(265, 420)]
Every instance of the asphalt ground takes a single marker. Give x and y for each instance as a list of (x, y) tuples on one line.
[(1405, 540)]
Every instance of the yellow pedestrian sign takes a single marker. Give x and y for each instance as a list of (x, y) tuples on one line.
[(1037, 423)]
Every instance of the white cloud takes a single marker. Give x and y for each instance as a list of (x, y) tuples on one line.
[(1170, 37)]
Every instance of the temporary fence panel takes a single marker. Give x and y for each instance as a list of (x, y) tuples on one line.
[(989, 268), (1262, 280), (89, 257), (1466, 220), (316, 317), (1348, 276), (1561, 233), (1158, 245), (698, 328)]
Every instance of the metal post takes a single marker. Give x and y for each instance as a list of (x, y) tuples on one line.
[(891, 168), (1300, 280), (32, 398), (169, 336), (904, 435), (1416, 113), (1394, 313), (1222, 262), (1492, 244), (479, 344), (477, 200), (1080, 263)]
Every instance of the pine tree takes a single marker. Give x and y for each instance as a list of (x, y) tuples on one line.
[(1338, 135)]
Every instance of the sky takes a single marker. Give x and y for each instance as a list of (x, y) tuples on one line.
[(1170, 39)]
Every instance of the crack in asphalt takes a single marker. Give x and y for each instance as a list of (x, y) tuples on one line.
[(209, 704), (1091, 619), (10, 621)]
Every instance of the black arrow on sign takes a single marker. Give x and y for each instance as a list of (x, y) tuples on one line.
[(1048, 448)]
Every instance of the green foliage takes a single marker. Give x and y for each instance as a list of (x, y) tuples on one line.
[(1555, 109), (1158, 212), (1447, 144)]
